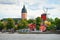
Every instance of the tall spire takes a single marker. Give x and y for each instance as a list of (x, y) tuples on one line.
[(24, 9), (24, 13)]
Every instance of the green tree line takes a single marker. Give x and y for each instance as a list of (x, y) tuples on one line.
[(23, 23)]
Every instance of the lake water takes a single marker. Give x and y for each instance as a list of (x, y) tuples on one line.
[(16, 36)]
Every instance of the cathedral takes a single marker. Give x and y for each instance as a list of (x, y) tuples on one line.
[(24, 13)]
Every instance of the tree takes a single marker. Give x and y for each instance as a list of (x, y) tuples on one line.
[(31, 21), (51, 27), (22, 24), (10, 23), (57, 23), (50, 24), (38, 21), (51, 20), (1, 25)]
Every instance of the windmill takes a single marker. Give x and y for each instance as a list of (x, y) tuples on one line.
[(46, 12), (44, 15)]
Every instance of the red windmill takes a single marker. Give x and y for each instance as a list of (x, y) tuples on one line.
[(43, 16)]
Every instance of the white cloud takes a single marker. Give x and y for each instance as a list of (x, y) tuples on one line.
[(53, 9), (9, 11), (34, 8), (8, 1)]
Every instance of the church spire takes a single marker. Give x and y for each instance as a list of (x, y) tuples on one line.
[(24, 9), (24, 13)]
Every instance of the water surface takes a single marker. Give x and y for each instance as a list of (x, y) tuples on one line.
[(29, 36)]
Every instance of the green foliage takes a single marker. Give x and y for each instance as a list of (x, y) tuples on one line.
[(51, 27), (51, 20), (37, 27), (38, 21), (16, 21), (31, 21), (23, 24), (1, 25), (57, 22), (10, 23)]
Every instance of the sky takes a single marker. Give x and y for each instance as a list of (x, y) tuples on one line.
[(12, 8)]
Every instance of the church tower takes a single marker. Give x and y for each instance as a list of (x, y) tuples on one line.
[(24, 13)]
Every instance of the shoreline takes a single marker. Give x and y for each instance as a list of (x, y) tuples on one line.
[(47, 32)]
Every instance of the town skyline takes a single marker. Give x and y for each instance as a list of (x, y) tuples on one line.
[(12, 8)]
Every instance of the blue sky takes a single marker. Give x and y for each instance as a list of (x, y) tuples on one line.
[(12, 8)]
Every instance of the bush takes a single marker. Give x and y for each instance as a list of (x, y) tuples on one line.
[(51, 27)]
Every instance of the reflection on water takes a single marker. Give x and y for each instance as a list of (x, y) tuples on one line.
[(29, 36)]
